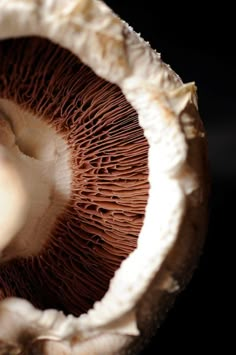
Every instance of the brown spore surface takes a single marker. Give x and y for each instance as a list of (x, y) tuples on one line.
[(108, 151)]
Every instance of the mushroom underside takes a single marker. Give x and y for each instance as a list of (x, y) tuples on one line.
[(82, 140)]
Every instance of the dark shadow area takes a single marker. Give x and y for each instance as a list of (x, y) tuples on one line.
[(197, 322), (199, 46)]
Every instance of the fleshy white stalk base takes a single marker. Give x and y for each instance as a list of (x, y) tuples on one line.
[(14, 199), (34, 181)]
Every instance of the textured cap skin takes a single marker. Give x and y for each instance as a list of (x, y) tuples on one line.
[(176, 215)]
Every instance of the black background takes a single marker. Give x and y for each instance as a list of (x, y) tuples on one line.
[(198, 41)]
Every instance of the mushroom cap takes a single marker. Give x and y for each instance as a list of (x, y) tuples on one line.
[(146, 283)]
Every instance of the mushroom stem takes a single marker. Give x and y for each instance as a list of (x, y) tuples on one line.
[(14, 202), (35, 168)]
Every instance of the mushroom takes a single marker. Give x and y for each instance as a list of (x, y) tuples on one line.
[(103, 181)]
